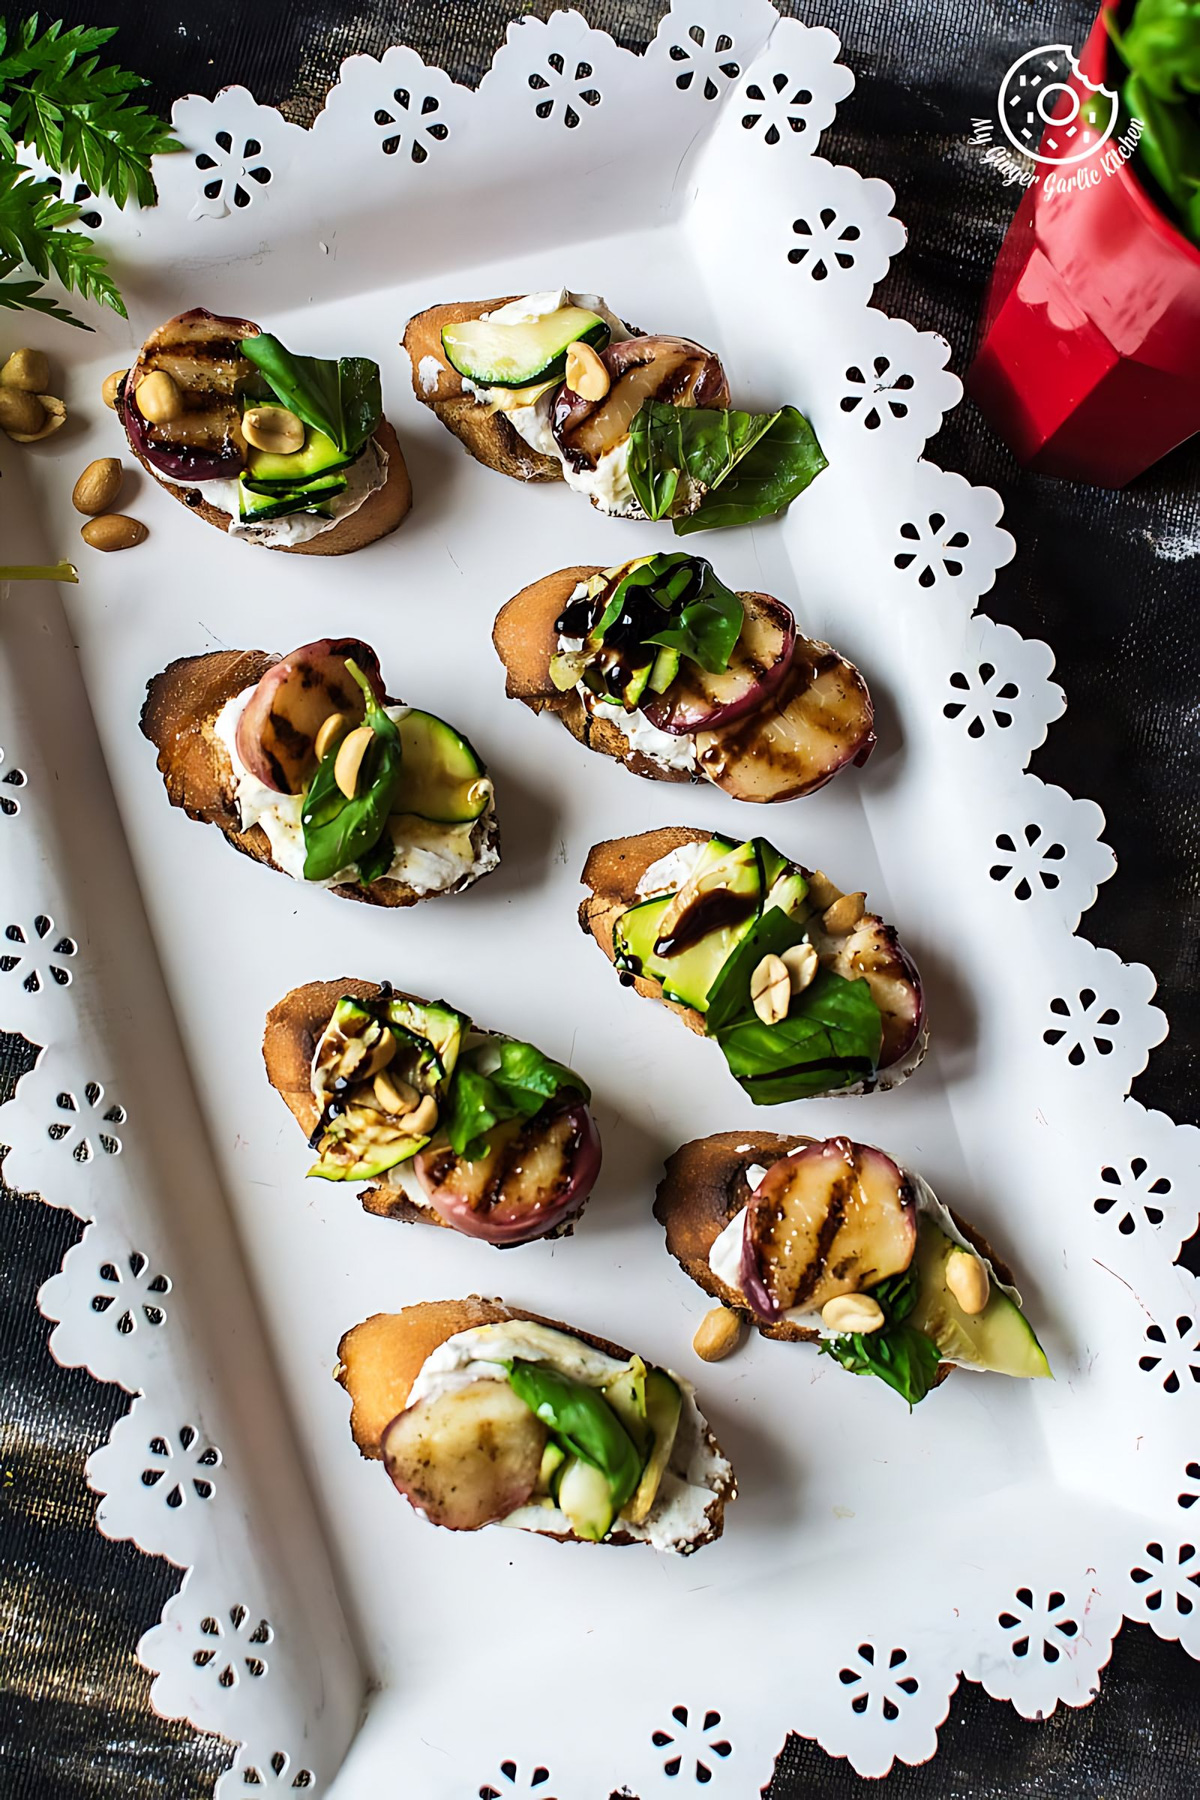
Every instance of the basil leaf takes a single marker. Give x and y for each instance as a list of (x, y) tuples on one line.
[(378, 861), (729, 996), (905, 1359), (770, 470), (338, 831), (830, 1039), (757, 462), (522, 1083), (343, 399), (700, 617), (709, 622), (474, 1105), (583, 1421)]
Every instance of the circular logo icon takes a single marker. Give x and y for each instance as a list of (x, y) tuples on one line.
[(1051, 112)]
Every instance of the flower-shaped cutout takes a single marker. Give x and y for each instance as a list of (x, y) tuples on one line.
[(988, 693), (562, 92), (1172, 1358), (781, 104), (1132, 1203), (1039, 1628), (12, 781), (1087, 1028), (228, 174), (75, 1128), (825, 243), (77, 193), (694, 1743), (1189, 1492), (705, 54), (182, 1468), (34, 964), (516, 1780), (935, 543), (872, 1681), (407, 120), (1026, 862), (1169, 1579), (134, 1295), (880, 394), (232, 1645), (276, 1775)]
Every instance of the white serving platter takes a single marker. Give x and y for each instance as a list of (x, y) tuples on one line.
[(1003, 1529)]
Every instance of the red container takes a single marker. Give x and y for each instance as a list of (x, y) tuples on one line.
[(1089, 362)]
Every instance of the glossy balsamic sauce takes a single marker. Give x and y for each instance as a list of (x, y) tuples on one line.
[(714, 911), (625, 650)]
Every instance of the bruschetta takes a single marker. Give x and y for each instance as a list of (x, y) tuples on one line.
[(834, 1243), (305, 764), (555, 387), (483, 1414), (661, 666), (449, 1124), (805, 991), (290, 452)]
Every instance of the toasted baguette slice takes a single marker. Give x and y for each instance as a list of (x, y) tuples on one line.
[(379, 1360), (615, 867), (704, 1186), (181, 707), (796, 742), (488, 435)]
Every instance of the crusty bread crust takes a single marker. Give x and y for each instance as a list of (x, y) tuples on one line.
[(488, 435), (379, 1360), (181, 707), (379, 514), (704, 1186), (612, 871)]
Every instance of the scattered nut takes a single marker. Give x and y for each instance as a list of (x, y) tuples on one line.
[(847, 1313), (968, 1281), (272, 428), (771, 990), (20, 412), (719, 1331), (821, 891), (801, 964), (396, 1097), (422, 1120), (844, 914), (108, 393), (586, 373), (113, 531), (158, 398), (54, 414), (98, 486), (349, 759), (331, 730), (28, 369)]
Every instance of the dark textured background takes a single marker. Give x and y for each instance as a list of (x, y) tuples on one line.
[(1101, 577)]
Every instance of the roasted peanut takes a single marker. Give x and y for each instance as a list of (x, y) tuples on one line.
[(821, 891), (771, 990), (395, 1095), (718, 1331), (113, 531), (349, 759), (801, 964), (98, 486), (329, 733), (108, 393), (586, 373), (847, 1313), (158, 398), (273, 428), (20, 412), (421, 1121), (968, 1281), (54, 414), (844, 914), (27, 369)]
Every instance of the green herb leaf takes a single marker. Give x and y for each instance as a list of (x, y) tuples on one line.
[(831, 1038), (518, 1087), (692, 612), (729, 996), (758, 461), (905, 1359), (343, 399), (1160, 48), (582, 1421), (339, 832)]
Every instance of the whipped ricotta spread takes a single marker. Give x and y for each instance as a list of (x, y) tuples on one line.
[(725, 1256), (364, 477), (696, 1474), (528, 410), (428, 858), (668, 874)]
